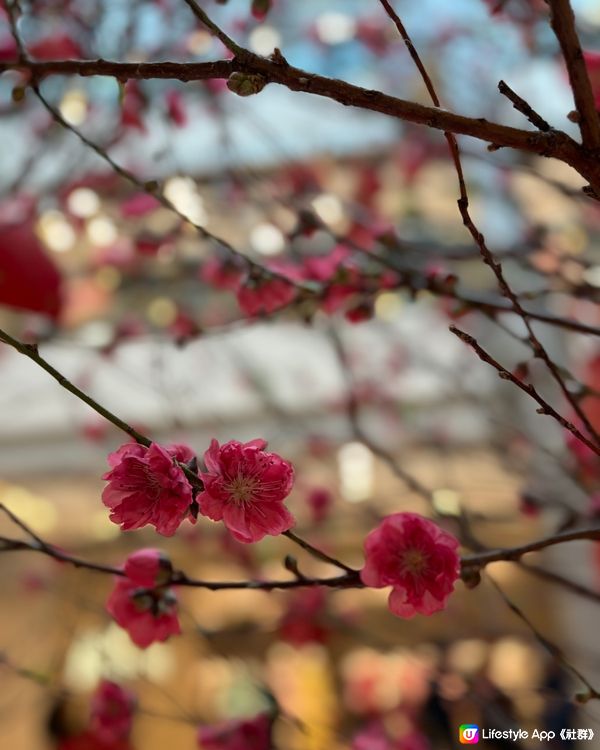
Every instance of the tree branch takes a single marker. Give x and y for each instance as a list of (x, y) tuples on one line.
[(553, 144), (562, 20), (514, 554), (545, 407), (554, 651)]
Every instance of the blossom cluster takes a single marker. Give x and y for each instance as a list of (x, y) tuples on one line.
[(242, 485), (142, 602), (343, 284), (245, 486), (111, 719)]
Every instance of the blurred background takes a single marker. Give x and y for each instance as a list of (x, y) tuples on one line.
[(128, 301)]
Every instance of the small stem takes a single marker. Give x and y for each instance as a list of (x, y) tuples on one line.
[(319, 554)]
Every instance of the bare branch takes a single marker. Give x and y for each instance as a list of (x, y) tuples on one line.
[(554, 651), (562, 20), (513, 554), (545, 407), (523, 107), (553, 144)]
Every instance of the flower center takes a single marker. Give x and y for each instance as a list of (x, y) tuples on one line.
[(158, 600), (242, 489), (414, 561)]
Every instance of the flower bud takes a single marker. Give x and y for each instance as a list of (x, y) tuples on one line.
[(245, 84)]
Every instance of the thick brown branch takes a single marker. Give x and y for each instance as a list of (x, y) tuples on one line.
[(555, 144), (562, 20), (124, 71)]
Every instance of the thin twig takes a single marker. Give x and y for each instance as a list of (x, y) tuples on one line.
[(513, 554), (562, 581), (350, 579), (545, 407), (552, 648), (204, 18), (523, 107), (317, 553)]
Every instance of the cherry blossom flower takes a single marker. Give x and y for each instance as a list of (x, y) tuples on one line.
[(238, 734), (141, 602), (132, 106), (139, 204), (112, 712), (264, 295), (360, 312), (56, 47), (260, 9), (375, 737), (244, 486), (89, 741), (324, 267), (176, 108), (29, 279), (304, 620), (417, 558), (586, 460), (529, 506), (146, 486), (319, 500), (223, 273), (372, 737), (8, 48)]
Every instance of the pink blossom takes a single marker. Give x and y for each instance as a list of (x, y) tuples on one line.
[(176, 108), (223, 273), (586, 459), (529, 506), (56, 47), (304, 620), (594, 505), (323, 267), (338, 295), (132, 106), (374, 737), (319, 500), (112, 712), (264, 295), (374, 35), (260, 9), (141, 603), (237, 734), (8, 48), (244, 486), (417, 558), (146, 486), (139, 204), (89, 741), (360, 312)]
